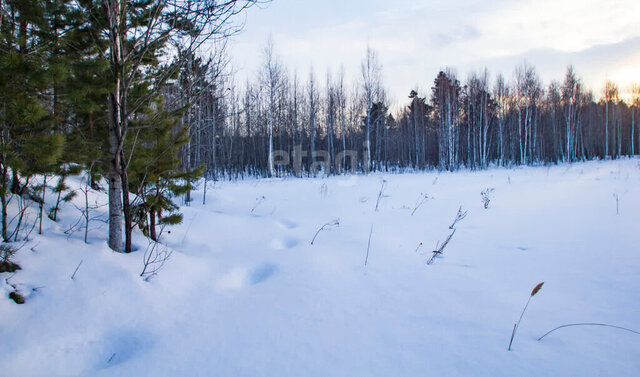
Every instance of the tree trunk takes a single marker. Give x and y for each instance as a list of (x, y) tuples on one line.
[(126, 207), (271, 110), (152, 225), (606, 129), (3, 198), (44, 191), (115, 128), (115, 182)]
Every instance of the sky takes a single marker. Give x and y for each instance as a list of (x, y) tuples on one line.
[(415, 39)]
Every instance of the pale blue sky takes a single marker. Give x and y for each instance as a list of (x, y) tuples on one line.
[(415, 39)]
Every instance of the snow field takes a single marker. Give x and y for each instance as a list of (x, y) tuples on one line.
[(245, 294)]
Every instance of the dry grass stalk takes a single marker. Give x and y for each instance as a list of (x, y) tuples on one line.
[(535, 290), (423, 198), (326, 226), (460, 216), (590, 324), (440, 249)]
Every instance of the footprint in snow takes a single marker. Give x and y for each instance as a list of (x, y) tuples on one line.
[(240, 277), (287, 224), (263, 272), (283, 243)]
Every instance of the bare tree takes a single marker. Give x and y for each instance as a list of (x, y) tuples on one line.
[(635, 102), (341, 103), (501, 94), (272, 79), (571, 91), (331, 113), (313, 102), (371, 84), (418, 116), (610, 98), (477, 97), (528, 93), (446, 99)]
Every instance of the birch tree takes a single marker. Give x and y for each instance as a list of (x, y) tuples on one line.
[(341, 102), (271, 77), (635, 103), (312, 103), (528, 93), (610, 98), (371, 83), (571, 90), (501, 94), (331, 115), (445, 99)]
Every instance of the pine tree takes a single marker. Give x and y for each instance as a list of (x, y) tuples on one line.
[(29, 144), (79, 87), (155, 172)]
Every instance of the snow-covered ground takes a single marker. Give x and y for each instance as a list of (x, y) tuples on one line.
[(246, 294)]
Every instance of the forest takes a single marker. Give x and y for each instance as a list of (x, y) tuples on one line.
[(457, 124), (142, 99)]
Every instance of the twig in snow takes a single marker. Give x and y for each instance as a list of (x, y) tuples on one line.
[(486, 196), (76, 270), (187, 231), (366, 259), (154, 258), (439, 250), (324, 190), (419, 246), (618, 196), (258, 202), (460, 216), (9, 278), (326, 226), (423, 198), (86, 216), (33, 248), (536, 289), (381, 193), (589, 324), (111, 358)]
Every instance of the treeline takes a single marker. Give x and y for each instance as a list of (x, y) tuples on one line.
[(323, 124), (137, 96)]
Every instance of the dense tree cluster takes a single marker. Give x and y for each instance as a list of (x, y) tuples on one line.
[(104, 87)]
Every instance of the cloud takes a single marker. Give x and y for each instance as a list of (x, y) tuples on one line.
[(569, 25), (416, 39), (456, 34)]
